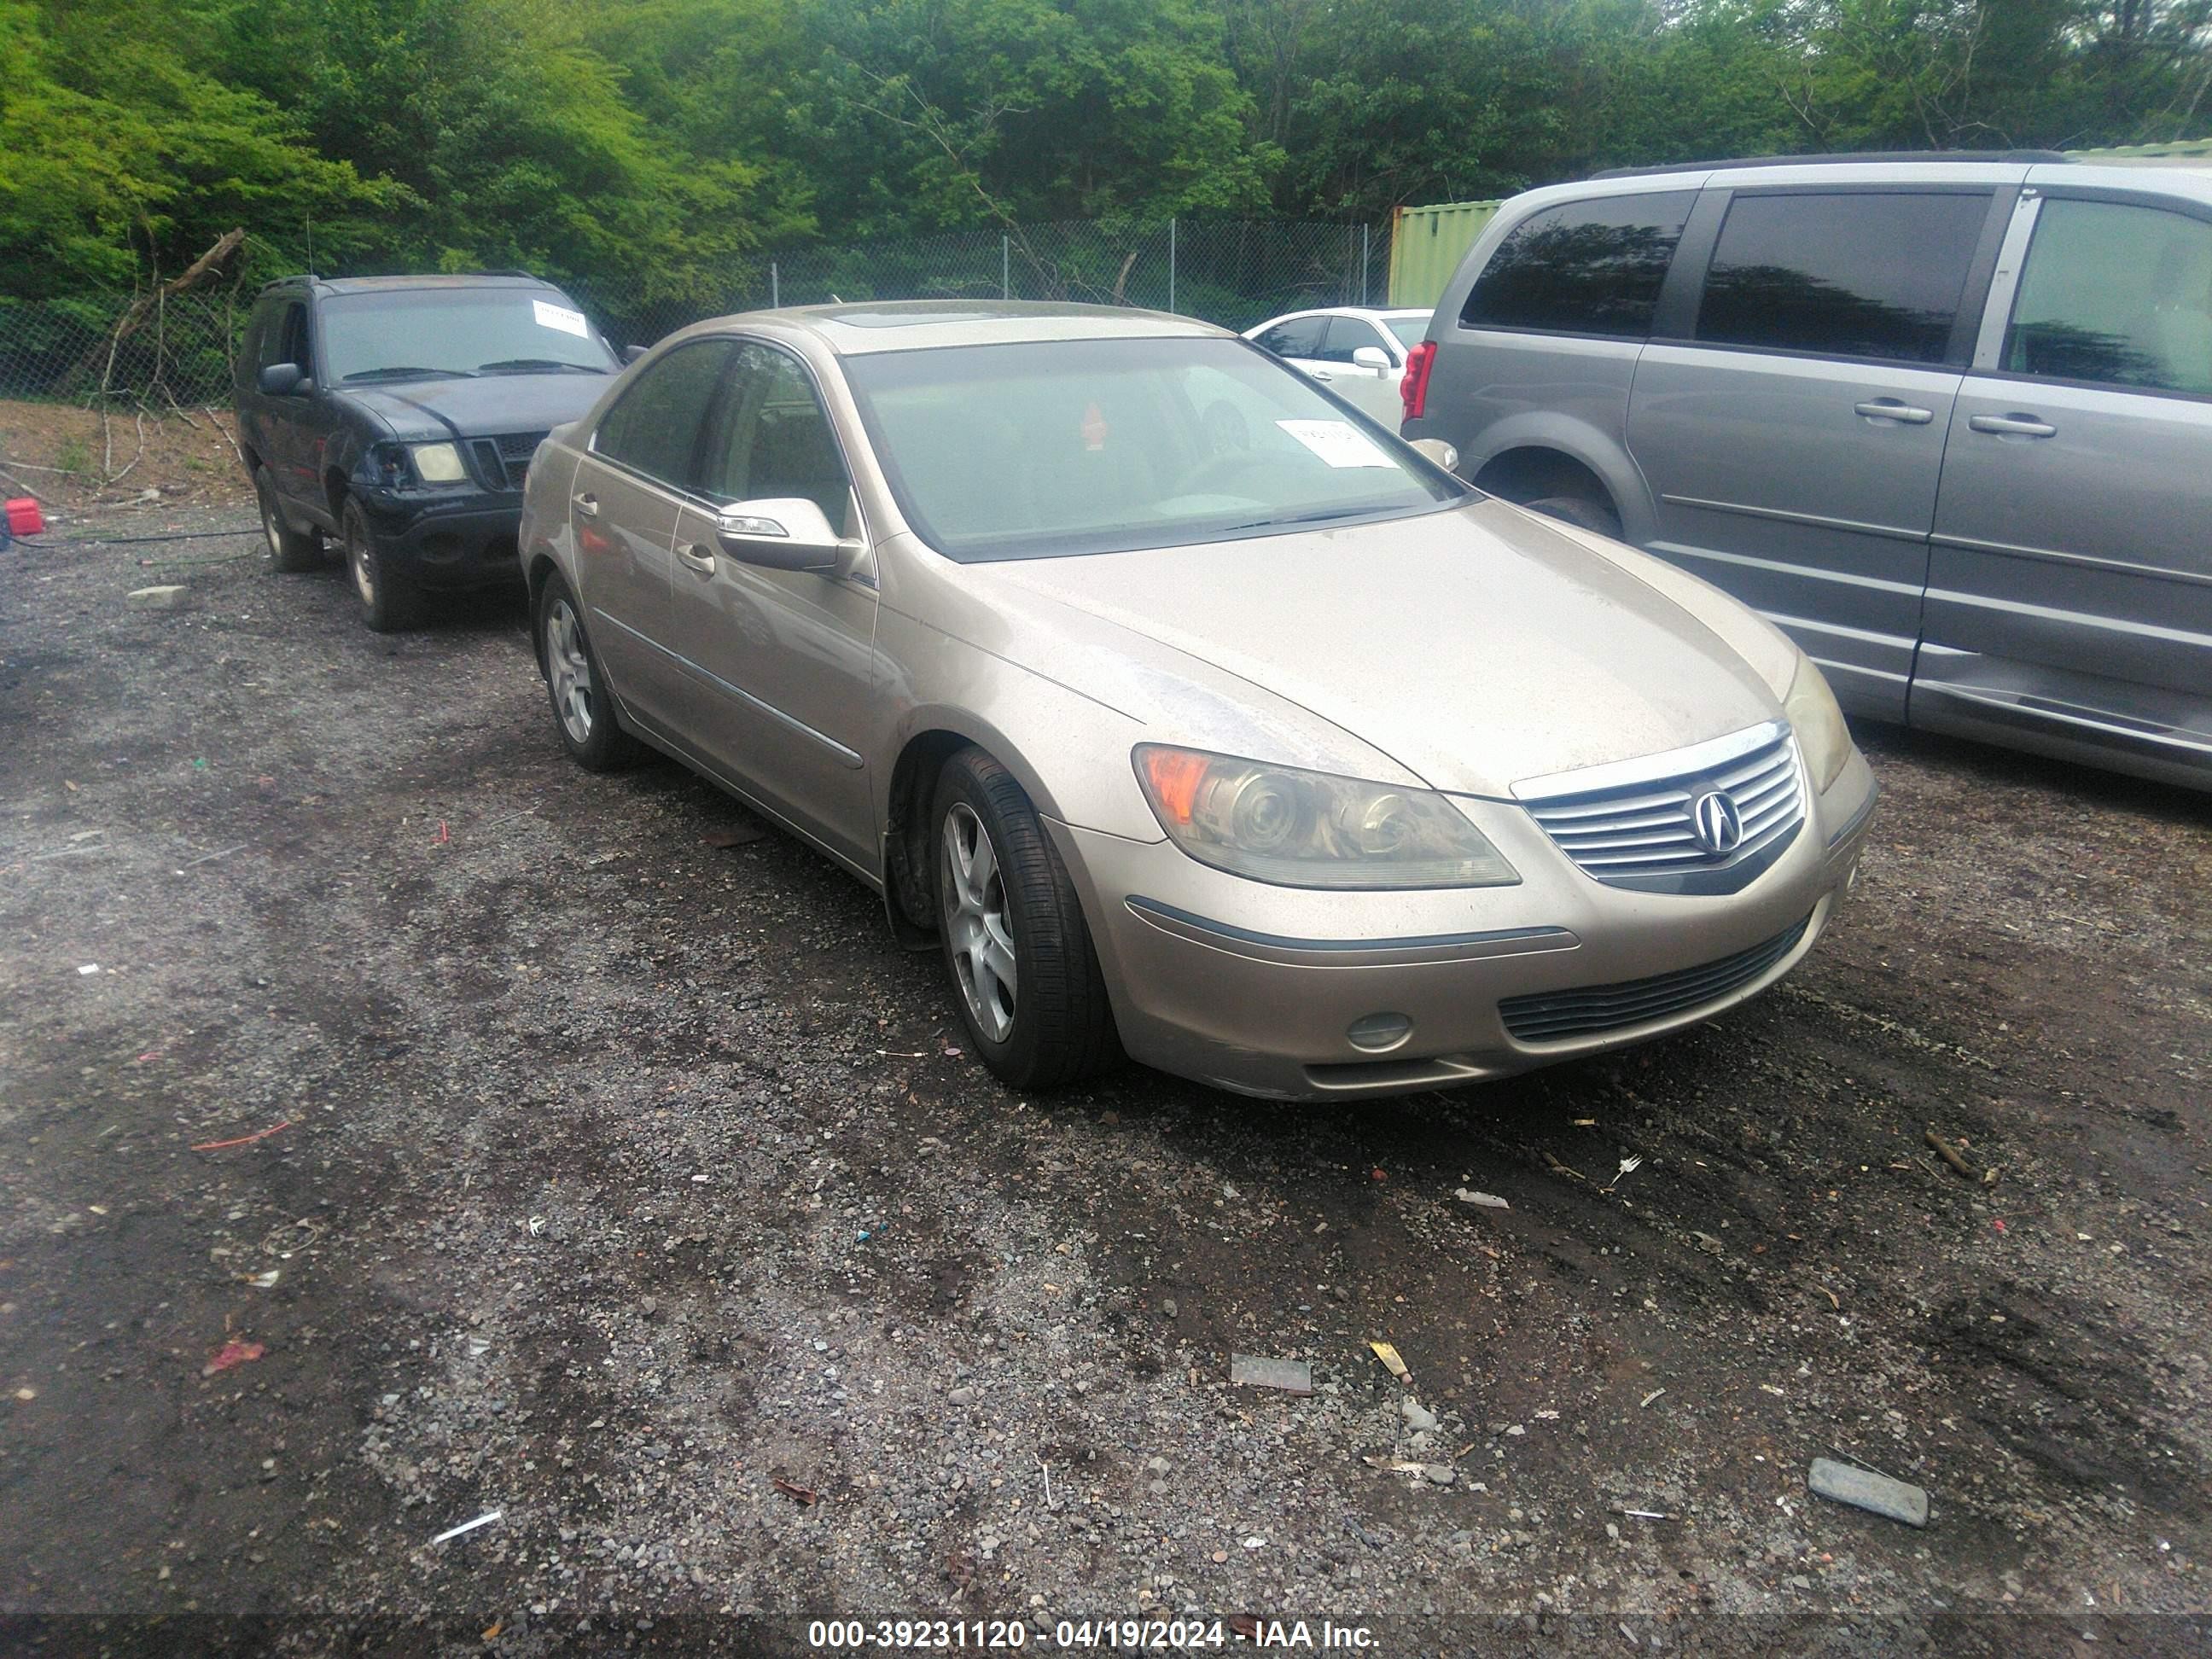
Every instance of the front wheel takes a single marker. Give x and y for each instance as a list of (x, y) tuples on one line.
[(389, 603), (1031, 993)]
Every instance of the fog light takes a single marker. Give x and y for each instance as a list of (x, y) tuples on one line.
[(1378, 1033)]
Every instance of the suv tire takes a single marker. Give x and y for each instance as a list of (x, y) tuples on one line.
[(290, 550), (390, 603), (1581, 512), (1003, 899)]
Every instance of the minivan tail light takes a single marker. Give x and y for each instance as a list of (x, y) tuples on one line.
[(1414, 388)]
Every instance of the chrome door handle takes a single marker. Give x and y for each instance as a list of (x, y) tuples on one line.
[(1888, 408), (695, 555), (587, 504), (1321, 374), (2016, 426)]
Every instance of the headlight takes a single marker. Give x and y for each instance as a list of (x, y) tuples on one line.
[(1294, 829), (439, 464), (1821, 734)]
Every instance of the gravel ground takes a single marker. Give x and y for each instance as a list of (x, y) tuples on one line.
[(635, 1187)]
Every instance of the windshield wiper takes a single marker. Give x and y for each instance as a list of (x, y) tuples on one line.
[(406, 371), (506, 365), (1320, 515)]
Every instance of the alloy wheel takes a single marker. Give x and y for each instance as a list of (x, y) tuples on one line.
[(978, 927), (570, 671)]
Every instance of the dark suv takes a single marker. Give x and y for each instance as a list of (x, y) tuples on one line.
[(398, 416)]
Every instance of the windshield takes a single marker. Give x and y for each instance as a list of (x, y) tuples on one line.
[(410, 333), (1022, 451), (1409, 330)]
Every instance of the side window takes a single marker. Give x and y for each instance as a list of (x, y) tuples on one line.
[(1345, 335), (1583, 268), (1298, 337), (280, 335), (2115, 294), (1846, 274), (655, 427), (772, 437)]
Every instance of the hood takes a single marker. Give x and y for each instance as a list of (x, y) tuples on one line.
[(1473, 647), (481, 408)]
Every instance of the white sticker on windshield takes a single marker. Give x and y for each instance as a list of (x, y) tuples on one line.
[(559, 317), (1337, 442)]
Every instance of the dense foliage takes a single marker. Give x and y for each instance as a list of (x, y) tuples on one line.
[(653, 143)]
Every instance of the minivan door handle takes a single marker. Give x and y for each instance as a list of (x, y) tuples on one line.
[(2013, 426), (1890, 409), (588, 505)]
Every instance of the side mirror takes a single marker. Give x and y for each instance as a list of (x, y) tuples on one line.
[(1370, 357), (1439, 452), (781, 532), (282, 381), (630, 354)]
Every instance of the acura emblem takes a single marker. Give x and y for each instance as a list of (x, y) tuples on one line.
[(1716, 823)]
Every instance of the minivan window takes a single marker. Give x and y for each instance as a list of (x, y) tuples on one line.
[(2117, 295), (1845, 274), (654, 428), (1591, 267)]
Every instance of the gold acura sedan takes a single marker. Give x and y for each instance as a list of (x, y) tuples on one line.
[(1192, 716)]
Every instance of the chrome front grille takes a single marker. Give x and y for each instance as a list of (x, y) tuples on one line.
[(1553, 1016), (1635, 824)]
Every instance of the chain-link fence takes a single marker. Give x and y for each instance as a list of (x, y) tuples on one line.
[(177, 349)]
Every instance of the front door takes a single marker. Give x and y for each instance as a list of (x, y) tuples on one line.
[(1370, 389), (1793, 447), (2071, 585), (783, 659), (629, 490)]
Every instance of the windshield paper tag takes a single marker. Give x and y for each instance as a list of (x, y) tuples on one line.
[(1337, 443), (559, 317)]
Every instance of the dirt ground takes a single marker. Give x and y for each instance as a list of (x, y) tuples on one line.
[(635, 1187), (82, 467)]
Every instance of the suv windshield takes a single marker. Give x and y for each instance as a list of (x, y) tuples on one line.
[(1023, 451), (410, 333)]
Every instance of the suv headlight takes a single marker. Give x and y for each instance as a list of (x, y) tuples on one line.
[(1297, 829), (439, 464), (1821, 734)]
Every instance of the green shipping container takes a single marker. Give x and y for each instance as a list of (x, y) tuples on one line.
[(1427, 244)]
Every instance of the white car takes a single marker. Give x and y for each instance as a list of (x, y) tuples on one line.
[(1357, 353)]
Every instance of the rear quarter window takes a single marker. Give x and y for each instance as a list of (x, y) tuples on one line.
[(1592, 267)]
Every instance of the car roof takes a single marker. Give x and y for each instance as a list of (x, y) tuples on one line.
[(862, 329)]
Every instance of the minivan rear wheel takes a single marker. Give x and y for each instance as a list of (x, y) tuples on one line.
[(1581, 512), (1020, 953)]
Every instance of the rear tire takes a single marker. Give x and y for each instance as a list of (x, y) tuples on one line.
[(583, 709), (390, 603), (1581, 512), (291, 552), (1024, 971)]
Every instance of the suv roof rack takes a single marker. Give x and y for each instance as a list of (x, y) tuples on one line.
[(2016, 157)]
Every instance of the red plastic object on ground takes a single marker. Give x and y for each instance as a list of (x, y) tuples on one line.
[(24, 518)]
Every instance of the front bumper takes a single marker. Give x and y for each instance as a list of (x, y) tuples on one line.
[(447, 539), (1257, 988)]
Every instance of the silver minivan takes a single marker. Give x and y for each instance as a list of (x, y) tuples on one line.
[(1946, 420)]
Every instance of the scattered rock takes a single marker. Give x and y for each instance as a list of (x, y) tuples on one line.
[(172, 598)]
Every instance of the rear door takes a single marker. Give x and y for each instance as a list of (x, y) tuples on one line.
[(2070, 591), (782, 660), (1791, 428), (631, 486)]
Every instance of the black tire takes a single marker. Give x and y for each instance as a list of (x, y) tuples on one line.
[(290, 550), (588, 725), (1059, 1028), (1581, 512), (390, 603)]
